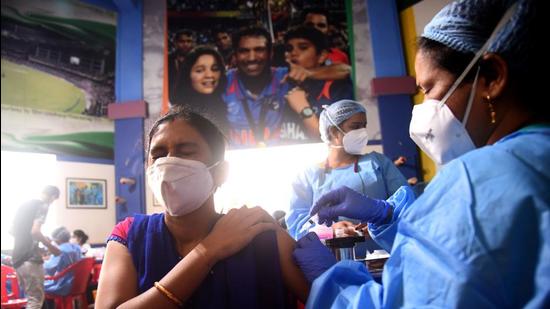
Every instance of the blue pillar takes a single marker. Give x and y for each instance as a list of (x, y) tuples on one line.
[(129, 152), (395, 110)]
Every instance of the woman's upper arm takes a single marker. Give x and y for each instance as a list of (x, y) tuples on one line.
[(118, 277), (292, 275)]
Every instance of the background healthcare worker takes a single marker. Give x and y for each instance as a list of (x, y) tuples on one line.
[(342, 126), (479, 236)]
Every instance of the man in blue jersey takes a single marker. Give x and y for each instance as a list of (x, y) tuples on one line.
[(255, 93)]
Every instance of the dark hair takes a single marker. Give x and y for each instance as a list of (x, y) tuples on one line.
[(311, 34), (83, 238), (219, 30), (447, 58), (205, 126), (254, 31), (318, 11), (210, 105), (186, 32), (51, 191), (185, 90)]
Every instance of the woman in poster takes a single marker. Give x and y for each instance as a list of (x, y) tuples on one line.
[(202, 83)]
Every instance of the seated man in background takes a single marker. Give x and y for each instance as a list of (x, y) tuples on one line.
[(70, 254)]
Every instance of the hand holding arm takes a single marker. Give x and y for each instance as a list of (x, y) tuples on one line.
[(348, 203), (330, 72), (312, 256), (235, 230)]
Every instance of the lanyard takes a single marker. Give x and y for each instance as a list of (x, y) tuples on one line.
[(257, 130)]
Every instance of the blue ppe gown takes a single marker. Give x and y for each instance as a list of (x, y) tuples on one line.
[(479, 237), (377, 178)]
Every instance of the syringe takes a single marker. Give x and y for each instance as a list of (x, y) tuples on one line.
[(311, 222)]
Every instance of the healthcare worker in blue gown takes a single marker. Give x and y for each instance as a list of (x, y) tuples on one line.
[(342, 126), (479, 236)]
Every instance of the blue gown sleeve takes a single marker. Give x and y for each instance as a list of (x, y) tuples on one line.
[(301, 200), (384, 234), (348, 284)]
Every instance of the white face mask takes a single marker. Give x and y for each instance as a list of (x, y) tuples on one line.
[(180, 185), (355, 141), (433, 126), (438, 133)]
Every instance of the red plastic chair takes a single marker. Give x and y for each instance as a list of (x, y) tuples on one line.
[(96, 270), (81, 271), (11, 300)]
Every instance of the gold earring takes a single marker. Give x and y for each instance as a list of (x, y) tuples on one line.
[(491, 109)]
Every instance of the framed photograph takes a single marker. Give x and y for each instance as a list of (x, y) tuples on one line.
[(86, 193)]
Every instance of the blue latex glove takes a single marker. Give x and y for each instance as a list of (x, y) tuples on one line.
[(312, 256), (348, 203)]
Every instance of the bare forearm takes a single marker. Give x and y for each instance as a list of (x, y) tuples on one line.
[(331, 72), (312, 126), (182, 281)]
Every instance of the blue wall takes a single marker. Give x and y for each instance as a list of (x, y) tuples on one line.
[(129, 153), (389, 61)]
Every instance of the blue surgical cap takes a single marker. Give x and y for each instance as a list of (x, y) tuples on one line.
[(339, 112), (467, 24)]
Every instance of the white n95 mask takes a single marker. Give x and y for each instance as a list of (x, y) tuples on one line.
[(180, 185), (355, 141), (438, 133)]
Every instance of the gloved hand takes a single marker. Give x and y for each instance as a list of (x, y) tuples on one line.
[(348, 203), (312, 256)]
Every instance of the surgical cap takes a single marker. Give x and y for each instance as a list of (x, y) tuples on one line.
[(61, 235), (466, 25), (339, 112)]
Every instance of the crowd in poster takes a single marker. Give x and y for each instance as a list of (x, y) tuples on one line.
[(263, 72)]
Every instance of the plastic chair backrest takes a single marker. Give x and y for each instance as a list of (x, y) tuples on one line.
[(3, 283), (8, 273), (96, 270), (82, 270), (81, 275)]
